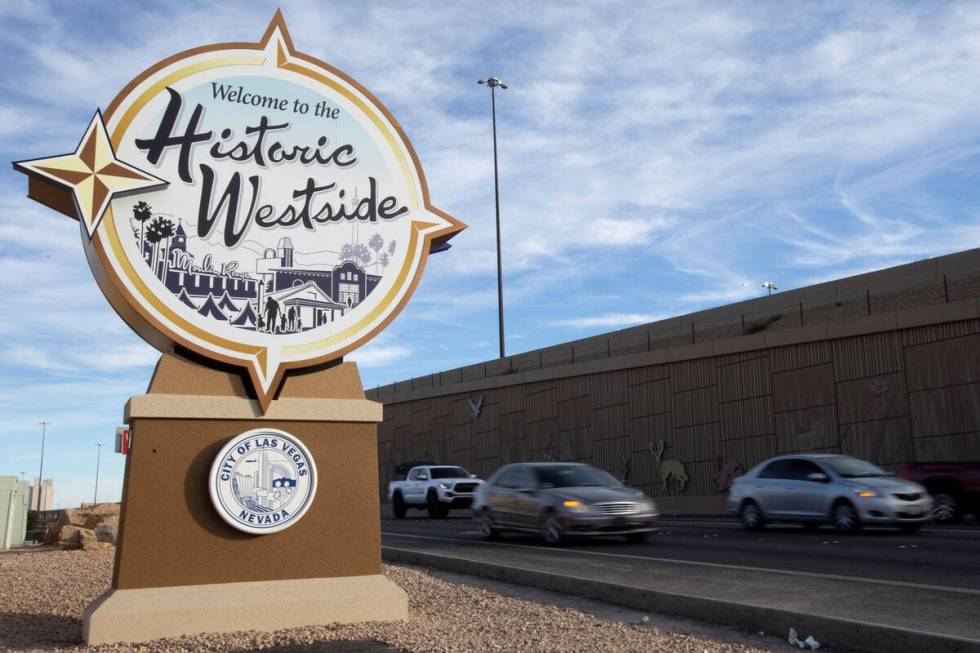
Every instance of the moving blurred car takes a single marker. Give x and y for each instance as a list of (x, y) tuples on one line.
[(557, 500), (825, 488), (955, 487)]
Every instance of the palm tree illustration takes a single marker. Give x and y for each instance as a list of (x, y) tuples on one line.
[(376, 243), (362, 254), (153, 237), (160, 229), (357, 253), (141, 213)]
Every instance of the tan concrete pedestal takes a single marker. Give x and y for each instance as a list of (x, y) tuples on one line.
[(180, 569)]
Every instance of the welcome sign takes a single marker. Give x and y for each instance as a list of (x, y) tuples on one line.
[(250, 203)]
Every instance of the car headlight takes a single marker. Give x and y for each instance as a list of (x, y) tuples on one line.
[(574, 505), (865, 492), (445, 486), (647, 505)]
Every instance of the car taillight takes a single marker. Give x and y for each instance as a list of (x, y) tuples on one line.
[(905, 474)]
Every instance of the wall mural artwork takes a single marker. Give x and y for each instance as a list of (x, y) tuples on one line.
[(668, 469), (724, 474), (476, 405)]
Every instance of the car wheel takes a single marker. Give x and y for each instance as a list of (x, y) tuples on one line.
[(845, 518), (485, 523), (945, 509), (398, 506), (436, 509), (751, 516), (639, 538), (910, 528), (551, 531)]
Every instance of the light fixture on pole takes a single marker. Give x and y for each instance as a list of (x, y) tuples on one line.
[(770, 286), (493, 83), (40, 478), (98, 461)]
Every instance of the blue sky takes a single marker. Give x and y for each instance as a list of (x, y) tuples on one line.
[(656, 158)]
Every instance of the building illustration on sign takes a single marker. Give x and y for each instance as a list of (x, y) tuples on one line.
[(250, 204), (278, 295), (267, 487)]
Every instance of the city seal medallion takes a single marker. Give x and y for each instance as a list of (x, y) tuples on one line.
[(262, 481)]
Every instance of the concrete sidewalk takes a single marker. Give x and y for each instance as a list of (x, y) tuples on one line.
[(872, 615)]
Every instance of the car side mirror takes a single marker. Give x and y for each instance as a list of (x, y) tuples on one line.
[(472, 475), (817, 477), (423, 477)]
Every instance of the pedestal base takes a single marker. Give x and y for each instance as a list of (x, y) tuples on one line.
[(138, 615)]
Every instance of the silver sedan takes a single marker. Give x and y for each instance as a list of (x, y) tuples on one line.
[(557, 500), (823, 488)]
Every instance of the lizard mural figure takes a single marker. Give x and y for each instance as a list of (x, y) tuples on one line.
[(668, 469)]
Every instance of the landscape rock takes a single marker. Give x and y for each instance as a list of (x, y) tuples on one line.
[(106, 533), (90, 542), (88, 517), (70, 537)]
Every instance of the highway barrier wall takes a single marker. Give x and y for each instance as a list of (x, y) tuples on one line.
[(884, 366)]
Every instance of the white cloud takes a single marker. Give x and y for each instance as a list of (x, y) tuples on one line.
[(607, 321), (654, 159)]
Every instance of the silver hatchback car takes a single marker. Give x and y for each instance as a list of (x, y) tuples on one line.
[(824, 488)]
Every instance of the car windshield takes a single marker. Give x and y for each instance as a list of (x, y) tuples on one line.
[(449, 472), (573, 476), (854, 467)]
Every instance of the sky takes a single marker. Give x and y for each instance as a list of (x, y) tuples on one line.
[(655, 158)]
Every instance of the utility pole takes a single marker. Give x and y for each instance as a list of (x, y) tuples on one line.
[(98, 461), (40, 478), (493, 83)]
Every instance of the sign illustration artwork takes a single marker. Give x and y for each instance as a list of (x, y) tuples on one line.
[(251, 204), (262, 481)]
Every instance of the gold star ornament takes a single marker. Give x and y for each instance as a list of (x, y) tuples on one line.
[(82, 184)]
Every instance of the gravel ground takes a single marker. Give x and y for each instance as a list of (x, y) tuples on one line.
[(43, 594)]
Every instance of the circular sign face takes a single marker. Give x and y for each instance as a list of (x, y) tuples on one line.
[(262, 481), (249, 203)]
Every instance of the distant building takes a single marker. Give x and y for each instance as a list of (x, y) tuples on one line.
[(46, 495), (13, 511)]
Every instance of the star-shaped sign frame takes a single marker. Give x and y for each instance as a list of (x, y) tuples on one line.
[(92, 174), (142, 280)]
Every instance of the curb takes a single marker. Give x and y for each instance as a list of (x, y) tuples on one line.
[(833, 631)]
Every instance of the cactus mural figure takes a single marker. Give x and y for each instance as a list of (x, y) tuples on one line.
[(668, 469)]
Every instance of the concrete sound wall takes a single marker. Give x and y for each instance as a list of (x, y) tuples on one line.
[(897, 385)]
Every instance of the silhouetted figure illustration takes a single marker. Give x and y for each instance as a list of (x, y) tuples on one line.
[(299, 322), (282, 319), (350, 302), (292, 318), (271, 313)]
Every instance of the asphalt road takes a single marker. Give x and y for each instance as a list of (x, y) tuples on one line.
[(937, 556)]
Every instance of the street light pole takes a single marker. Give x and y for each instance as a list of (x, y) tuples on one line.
[(98, 461), (493, 83), (40, 478)]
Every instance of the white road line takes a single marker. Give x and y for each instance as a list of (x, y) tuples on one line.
[(736, 526), (716, 565)]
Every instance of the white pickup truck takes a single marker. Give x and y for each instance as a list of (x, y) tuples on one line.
[(436, 488)]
